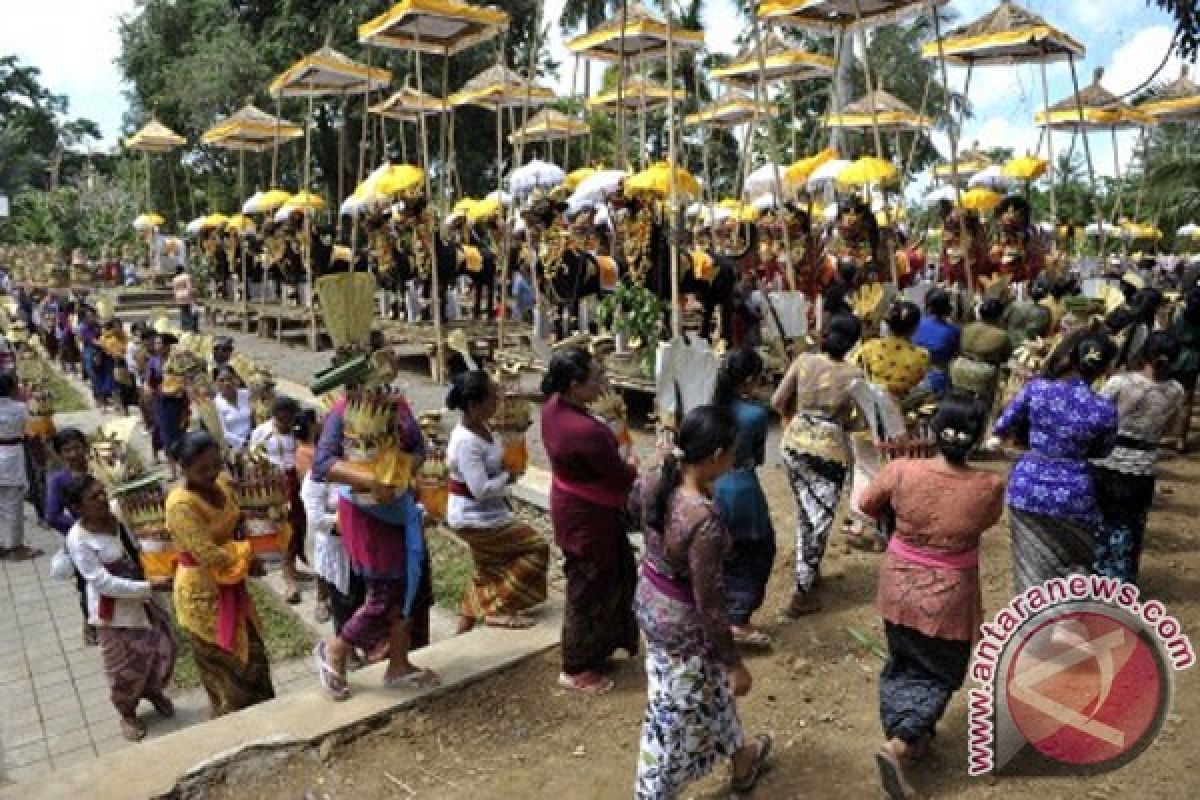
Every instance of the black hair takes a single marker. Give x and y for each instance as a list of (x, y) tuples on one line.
[(306, 423), (1091, 356), (1038, 289), (844, 332), (1146, 303), (468, 389), (8, 384), (1191, 305), (705, 431), (1160, 351), (228, 370), (65, 436), (193, 445), (283, 404), (1015, 202), (76, 488), (937, 303), (568, 366), (903, 318), (958, 424), (991, 310), (736, 368)]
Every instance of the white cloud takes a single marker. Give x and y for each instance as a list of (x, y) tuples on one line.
[(74, 43), (1135, 61)]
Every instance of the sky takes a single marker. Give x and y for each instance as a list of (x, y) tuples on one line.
[(75, 42)]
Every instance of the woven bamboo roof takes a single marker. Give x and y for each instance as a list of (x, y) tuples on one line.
[(1010, 34)]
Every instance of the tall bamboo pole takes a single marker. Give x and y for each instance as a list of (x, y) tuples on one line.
[(1087, 149), (1050, 165), (435, 292), (962, 220), (672, 193), (760, 96)]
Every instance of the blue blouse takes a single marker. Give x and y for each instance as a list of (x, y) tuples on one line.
[(1068, 424), (940, 338)]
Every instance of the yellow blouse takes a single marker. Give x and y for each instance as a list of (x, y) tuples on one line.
[(207, 534), (894, 363), (815, 383)]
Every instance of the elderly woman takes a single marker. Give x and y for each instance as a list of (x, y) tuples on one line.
[(929, 591), (693, 668), (135, 636), (815, 397), (587, 495), (510, 557), (1051, 493), (212, 605)]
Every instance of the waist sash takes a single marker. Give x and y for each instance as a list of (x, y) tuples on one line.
[(933, 559), (672, 588)]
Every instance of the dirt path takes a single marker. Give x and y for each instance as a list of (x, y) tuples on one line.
[(517, 736)]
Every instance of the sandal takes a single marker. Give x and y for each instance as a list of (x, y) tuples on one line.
[(748, 637), (802, 604), (590, 683), (747, 782), (417, 679), (133, 729), (22, 553), (333, 683), (515, 622), (895, 787)]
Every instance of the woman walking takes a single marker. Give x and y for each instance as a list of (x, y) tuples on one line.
[(211, 602), (740, 496), (135, 636), (1051, 494), (693, 668), (511, 558), (71, 447), (1149, 404), (815, 397), (590, 486), (929, 590)]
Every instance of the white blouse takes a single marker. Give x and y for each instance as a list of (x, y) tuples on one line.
[(479, 464), (280, 448), (330, 559), (237, 421), (90, 552)]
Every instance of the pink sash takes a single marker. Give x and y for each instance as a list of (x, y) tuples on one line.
[(968, 559), (233, 606)]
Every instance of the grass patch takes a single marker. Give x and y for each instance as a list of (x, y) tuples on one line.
[(285, 635), (63, 395), (452, 569)]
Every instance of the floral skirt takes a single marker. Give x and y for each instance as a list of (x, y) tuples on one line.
[(691, 721)]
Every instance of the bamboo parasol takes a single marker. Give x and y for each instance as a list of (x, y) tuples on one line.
[(154, 137), (549, 125), (254, 130), (445, 28), (729, 112), (406, 105), (498, 88), (638, 93), (635, 35), (841, 16), (880, 110), (784, 60), (1178, 101)]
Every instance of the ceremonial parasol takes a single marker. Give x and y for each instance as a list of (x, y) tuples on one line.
[(826, 174), (263, 202), (537, 174), (148, 221), (1189, 230), (638, 93), (154, 137), (661, 179), (597, 188), (839, 16), (762, 181), (406, 105), (799, 172), (867, 171), (981, 200), (1026, 168), (576, 177), (993, 178), (549, 125), (730, 111), (944, 194), (783, 60), (499, 88), (969, 162), (634, 35), (1178, 101), (879, 110)]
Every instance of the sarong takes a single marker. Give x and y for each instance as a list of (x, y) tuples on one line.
[(382, 606), (817, 484), (12, 516), (691, 722), (1124, 501), (1045, 547), (510, 570), (598, 618), (921, 674), (230, 684), (138, 662), (743, 507)]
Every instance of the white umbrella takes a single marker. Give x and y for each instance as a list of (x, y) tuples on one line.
[(992, 178), (947, 193), (353, 206), (764, 201), (195, 226), (762, 181), (1109, 229), (504, 198), (537, 174), (251, 206), (598, 187), (830, 212), (827, 173), (1191, 229)]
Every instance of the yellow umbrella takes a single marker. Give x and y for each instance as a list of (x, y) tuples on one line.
[(464, 205), (797, 174), (441, 27), (742, 212), (486, 208), (241, 223), (642, 36), (657, 180), (866, 171), (1026, 168), (981, 200), (306, 200), (577, 177), (266, 201), (251, 129), (215, 220), (154, 137), (149, 220)]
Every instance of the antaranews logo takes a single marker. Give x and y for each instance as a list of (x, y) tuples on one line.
[(1074, 676)]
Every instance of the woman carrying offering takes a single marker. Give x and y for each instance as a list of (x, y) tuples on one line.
[(235, 409), (1051, 494), (135, 636), (740, 496), (71, 447), (1149, 405), (588, 493), (511, 558), (929, 590), (212, 604), (815, 398), (693, 668)]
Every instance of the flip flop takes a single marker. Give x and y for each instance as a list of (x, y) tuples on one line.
[(596, 685), (417, 679), (894, 787), (753, 638), (333, 683), (746, 783), (514, 622)]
